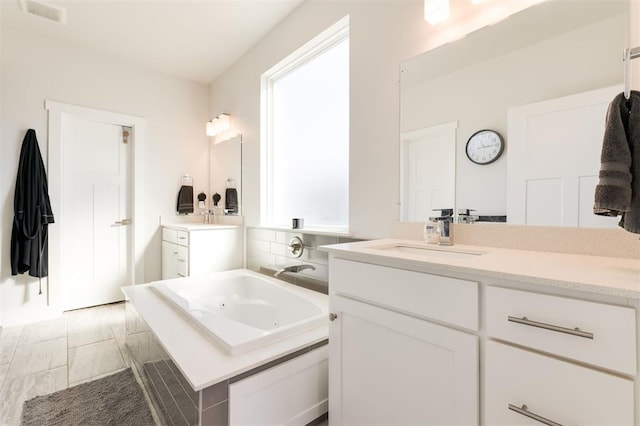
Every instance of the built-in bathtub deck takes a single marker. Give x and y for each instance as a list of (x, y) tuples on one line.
[(187, 373), (199, 359)]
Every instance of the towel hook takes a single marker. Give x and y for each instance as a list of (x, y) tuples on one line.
[(186, 180), (628, 55)]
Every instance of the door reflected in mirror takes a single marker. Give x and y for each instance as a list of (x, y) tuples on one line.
[(547, 52)]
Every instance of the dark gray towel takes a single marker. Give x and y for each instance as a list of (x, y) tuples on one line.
[(618, 191), (231, 200), (185, 199)]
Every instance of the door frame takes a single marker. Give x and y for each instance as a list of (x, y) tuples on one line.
[(57, 111)]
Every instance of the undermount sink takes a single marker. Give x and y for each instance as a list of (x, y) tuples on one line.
[(429, 251)]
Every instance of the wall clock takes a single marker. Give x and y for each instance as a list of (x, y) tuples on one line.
[(484, 147)]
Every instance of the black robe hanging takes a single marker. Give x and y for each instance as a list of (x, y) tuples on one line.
[(32, 212)]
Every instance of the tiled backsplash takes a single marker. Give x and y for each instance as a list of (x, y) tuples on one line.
[(269, 249)]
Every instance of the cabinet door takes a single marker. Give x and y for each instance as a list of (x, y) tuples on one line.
[(291, 393), (555, 390), (169, 260), (390, 368)]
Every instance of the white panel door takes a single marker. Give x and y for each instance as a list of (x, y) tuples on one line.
[(386, 368), (95, 215), (429, 171), (554, 160)]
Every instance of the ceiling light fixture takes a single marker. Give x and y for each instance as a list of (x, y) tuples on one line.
[(436, 11), (220, 124)]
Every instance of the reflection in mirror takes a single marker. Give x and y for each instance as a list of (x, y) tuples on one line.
[(225, 173), (428, 171), (533, 59)]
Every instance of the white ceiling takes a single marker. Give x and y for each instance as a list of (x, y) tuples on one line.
[(191, 39)]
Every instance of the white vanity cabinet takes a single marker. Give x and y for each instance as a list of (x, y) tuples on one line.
[(397, 354), (563, 380), (505, 337), (191, 250)]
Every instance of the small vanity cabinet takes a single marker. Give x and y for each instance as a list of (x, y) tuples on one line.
[(574, 362), (196, 249), (398, 345)]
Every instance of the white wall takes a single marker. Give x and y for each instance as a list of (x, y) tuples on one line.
[(634, 25), (382, 34), (34, 69)]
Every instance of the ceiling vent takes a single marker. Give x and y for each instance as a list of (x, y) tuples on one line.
[(44, 10)]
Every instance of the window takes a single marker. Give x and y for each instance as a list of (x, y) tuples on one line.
[(305, 135)]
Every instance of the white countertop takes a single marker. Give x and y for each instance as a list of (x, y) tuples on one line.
[(197, 226), (595, 274), (200, 360)]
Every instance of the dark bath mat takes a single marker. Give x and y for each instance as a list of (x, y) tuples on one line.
[(112, 400)]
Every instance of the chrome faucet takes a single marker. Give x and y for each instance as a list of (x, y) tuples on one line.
[(294, 268), (445, 225)]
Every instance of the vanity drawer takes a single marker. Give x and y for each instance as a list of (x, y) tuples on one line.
[(170, 235), (183, 238), (594, 333), (183, 261), (557, 390), (449, 300)]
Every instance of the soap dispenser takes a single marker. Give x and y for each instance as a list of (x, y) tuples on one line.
[(431, 232)]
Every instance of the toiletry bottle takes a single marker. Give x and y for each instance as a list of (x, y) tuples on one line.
[(431, 232)]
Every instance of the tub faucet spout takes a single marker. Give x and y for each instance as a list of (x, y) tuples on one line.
[(294, 268)]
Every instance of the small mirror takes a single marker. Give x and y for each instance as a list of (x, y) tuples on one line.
[(225, 175)]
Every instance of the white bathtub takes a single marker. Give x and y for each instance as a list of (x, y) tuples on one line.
[(242, 310)]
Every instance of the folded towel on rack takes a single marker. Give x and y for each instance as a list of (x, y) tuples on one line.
[(231, 201), (185, 199), (618, 190)]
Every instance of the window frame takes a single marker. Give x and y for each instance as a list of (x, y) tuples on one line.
[(329, 38)]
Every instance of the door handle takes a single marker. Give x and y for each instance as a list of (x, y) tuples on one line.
[(122, 222)]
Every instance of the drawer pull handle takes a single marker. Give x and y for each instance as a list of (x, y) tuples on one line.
[(180, 275), (573, 331), (524, 410), (182, 238)]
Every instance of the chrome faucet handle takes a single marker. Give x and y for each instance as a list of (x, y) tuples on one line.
[(465, 216)]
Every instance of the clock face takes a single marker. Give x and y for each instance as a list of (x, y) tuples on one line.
[(485, 146)]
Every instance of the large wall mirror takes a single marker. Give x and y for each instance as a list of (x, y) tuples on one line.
[(542, 79)]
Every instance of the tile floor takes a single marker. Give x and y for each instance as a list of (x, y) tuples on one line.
[(45, 357), (40, 358)]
